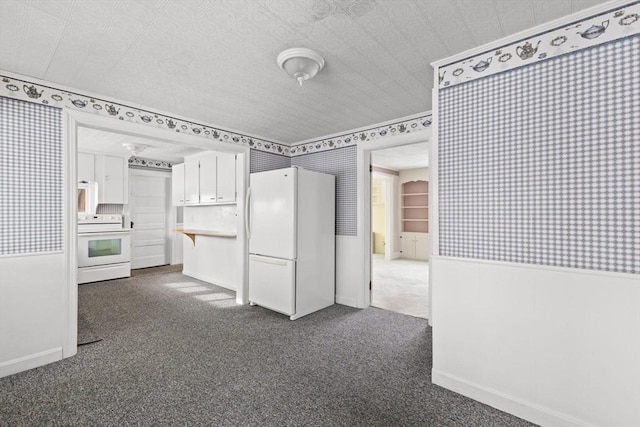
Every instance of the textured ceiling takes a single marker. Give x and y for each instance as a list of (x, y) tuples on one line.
[(215, 61), (401, 158), (93, 140)]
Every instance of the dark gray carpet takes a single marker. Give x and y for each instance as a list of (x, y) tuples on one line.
[(169, 358)]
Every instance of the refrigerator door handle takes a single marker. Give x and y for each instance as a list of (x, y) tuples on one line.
[(268, 260), (246, 213)]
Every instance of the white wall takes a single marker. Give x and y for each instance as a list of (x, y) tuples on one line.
[(557, 346), (213, 259), (33, 310)]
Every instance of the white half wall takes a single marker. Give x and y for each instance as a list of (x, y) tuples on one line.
[(556, 346), (349, 271), (33, 310)]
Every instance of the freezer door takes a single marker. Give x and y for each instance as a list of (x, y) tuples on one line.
[(272, 213), (272, 283)]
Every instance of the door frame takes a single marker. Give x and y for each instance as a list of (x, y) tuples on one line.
[(76, 119), (364, 203), (389, 214), (169, 212)]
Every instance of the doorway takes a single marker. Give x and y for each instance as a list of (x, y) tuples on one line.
[(399, 229)]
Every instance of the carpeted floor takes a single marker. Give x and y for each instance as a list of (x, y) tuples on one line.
[(177, 351)]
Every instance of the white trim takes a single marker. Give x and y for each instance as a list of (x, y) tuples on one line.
[(70, 294), (31, 361), (363, 128), (351, 302), (572, 270), (505, 402), (73, 120), (28, 254), (364, 201), (514, 38)]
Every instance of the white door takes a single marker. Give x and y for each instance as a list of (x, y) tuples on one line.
[(271, 283), (149, 206), (272, 213)]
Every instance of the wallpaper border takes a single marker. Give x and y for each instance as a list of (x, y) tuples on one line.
[(372, 133), (25, 90), (144, 163), (604, 27)]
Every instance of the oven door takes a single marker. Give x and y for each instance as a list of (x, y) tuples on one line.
[(112, 247)]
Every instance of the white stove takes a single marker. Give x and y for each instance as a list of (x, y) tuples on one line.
[(99, 222), (104, 248)]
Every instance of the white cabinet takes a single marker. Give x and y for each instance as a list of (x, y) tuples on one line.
[(192, 182), (208, 178), (110, 172), (112, 176), (177, 184), (86, 167), (414, 245), (211, 179), (226, 182)]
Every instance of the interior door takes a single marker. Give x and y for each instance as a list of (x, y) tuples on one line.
[(149, 206)]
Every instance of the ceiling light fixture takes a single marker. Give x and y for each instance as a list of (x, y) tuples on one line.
[(134, 148), (300, 63)]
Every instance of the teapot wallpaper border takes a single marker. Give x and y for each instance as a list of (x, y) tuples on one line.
[(24, 90), (351, 138), (615, 24), (37, 93)]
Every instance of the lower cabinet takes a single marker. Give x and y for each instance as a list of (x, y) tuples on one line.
[(414, 245)]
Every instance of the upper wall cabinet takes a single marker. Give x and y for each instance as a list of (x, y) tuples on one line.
[(111, 173), (192, 182), (86, 167), (177, 184), (207, 181)]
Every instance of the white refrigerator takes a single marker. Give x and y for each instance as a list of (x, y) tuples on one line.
[(290, 223)]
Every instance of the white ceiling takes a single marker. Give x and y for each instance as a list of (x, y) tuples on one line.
[(401, 158), (215, 61)]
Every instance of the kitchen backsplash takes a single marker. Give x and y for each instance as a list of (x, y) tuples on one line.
[(109, 208)]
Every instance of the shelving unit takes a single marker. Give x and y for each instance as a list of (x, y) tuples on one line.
[(415, 207)]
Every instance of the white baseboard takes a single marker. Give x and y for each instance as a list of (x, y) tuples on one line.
[(31, 361), (396, 255), (518, 407), (351, 302), (208, 280)]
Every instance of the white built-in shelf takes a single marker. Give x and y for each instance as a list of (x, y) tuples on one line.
[(415, 207)]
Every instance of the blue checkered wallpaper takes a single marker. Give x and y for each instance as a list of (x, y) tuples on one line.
[(342, 164), (31, 178), (260, 161), (541, 164)]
